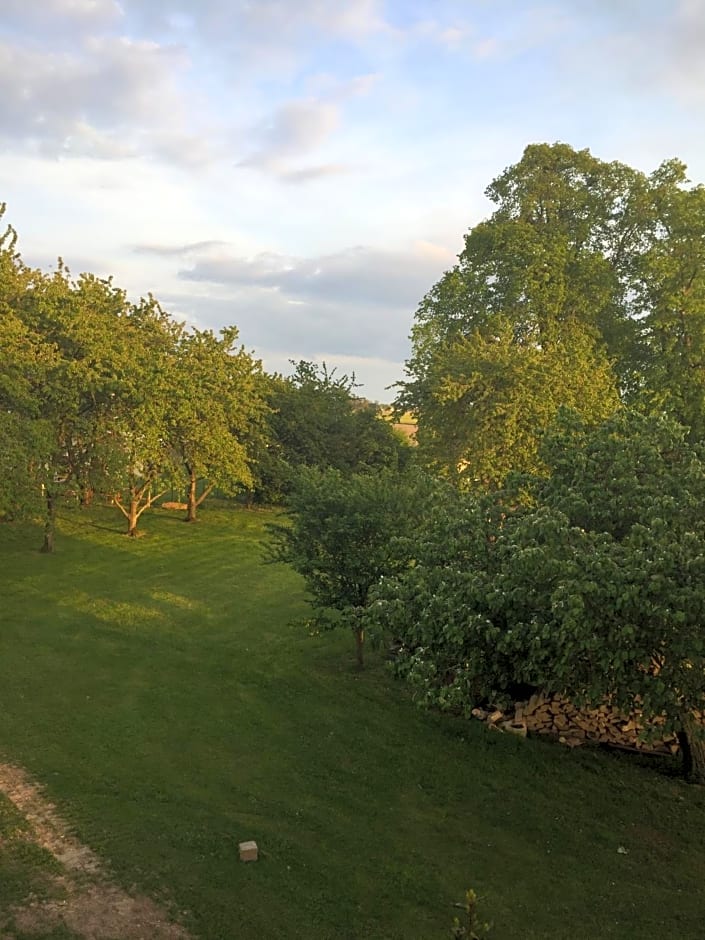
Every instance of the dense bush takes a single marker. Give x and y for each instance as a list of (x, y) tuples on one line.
[(589, 581)]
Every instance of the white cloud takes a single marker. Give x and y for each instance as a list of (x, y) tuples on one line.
[(366, 275), (45, 16), (114, 99), (294, 131), (295, 128), (642, 51), (317, 172)]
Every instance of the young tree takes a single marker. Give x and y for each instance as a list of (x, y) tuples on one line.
[(142, 462), (342, 537), (216, 408)]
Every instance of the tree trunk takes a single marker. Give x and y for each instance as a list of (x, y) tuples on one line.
[(692, 742), (359, 646), (192, 502), (49, 525), (87, 494), (133, 517)]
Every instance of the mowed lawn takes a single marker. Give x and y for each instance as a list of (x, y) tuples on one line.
[(159, 691)]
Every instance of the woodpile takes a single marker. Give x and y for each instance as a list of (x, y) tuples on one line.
[(557, 717)]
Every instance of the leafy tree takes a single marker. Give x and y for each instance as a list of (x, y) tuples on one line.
[(56, 385), (670, 293), (25, 361), (316, 421), (100, 393), (341, 537), (143, 462), (589, 272), (216, 405), (587, 582), (491, 396)]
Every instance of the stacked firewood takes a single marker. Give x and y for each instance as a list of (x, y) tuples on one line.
[(556, 716)]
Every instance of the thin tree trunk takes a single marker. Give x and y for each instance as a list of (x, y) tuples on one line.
[(133, 517), (192, 502), (692, 742), (359, 646), (49, 525)]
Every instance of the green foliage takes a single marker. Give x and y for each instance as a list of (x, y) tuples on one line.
[(588, 280), (588, 581), (216, 410), (345, 532), (316, 421), (670, 287), (99, 394), (491, 396)]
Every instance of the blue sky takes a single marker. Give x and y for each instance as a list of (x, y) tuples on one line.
[(306, 169)]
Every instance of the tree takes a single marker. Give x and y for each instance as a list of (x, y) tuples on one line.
[(315, 421), (57, 382), (341, 537), (490, 396), (216, 408), (143, 462), (589, 272), (588, 581), (25, 363), (670, 292)]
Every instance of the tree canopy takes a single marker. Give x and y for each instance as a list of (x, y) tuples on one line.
[(100, 393), (585, 286)]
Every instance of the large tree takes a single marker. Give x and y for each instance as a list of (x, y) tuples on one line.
[(25, 362), (669, 293), (587, 274), (490, 396), (57, 338)]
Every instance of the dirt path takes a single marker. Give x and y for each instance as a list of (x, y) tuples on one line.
[(87, 902)]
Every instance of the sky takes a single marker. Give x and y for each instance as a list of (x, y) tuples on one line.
[(306, 169)]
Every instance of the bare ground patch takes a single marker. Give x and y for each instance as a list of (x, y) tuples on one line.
[(87, 901)]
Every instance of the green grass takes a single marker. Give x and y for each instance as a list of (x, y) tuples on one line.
[(157, 689), (23, 865)]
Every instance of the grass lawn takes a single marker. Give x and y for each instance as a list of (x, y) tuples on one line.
[(158, 691)]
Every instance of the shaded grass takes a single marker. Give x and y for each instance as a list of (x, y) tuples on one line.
[(157, 689)]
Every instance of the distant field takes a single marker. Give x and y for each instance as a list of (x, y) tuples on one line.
[(159, 692), (406, 424)]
